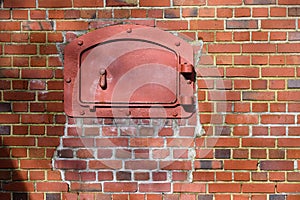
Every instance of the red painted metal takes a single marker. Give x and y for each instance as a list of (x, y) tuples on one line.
[(129, 71)]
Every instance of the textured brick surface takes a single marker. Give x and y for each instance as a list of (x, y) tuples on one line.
[(248, 101)]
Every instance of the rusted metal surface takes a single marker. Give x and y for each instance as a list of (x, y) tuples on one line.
[(129, 71)]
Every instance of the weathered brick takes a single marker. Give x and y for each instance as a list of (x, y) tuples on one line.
[(241, 24)]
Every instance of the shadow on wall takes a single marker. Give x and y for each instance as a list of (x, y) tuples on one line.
[(12, 180)]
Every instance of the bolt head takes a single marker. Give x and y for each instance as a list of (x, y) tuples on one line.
[(80, 42), (68, 80)]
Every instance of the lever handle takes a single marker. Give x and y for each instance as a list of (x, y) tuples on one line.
[(102, 81)]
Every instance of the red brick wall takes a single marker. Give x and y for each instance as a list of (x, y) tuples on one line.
[(248, 92)]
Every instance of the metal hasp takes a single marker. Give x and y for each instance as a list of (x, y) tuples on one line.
[(129, 71)]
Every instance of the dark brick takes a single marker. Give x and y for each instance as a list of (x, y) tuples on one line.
[(5, 107), (65, 153), (205, 197), (53, 196), (205, 165), (294, 12), (294, 84), (222, 130), (123, 176), (4, 130), (222, 153), (241, 24), (20, 196), (121, 2), (277, 197), (260, 2)]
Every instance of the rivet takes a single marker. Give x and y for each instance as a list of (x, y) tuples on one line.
[(189, 82), (177, 44), (128, 113), (82, 112), (175, 114), (80, 42), (129, 30), (68, 80)]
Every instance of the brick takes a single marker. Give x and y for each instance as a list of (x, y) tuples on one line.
[(20, 49), (208, 165), (288, 2), (258, 153), (277, 165), (258, 48), (241, 119), (258, 96), (71, 25), (37, 74), (278, 12), (242, 72), (36, 164), (19, 4), (293, 131), (51, 187), (175, 165), (278, 71), (189, 187), (78, 142), (206, 12), (278, 24), (240, 165), (37, 26), (260, 2), (92, 3), (294, 12), (278, 36), (222, 153), (242, 12), (189, 2), (18, 141), (288, 188), (146, 142), (294, 36), (120, 187), (242, 60), (224, 48), (121, 13), (70, 164), (179, 142), (224, 188), (224, 2), (172, 24), (288, 96), (9, 26), (259, 36), (258, 188), (241, 154), (4, 14), (50, 96), (54, 4), (241, 24), (37, 14), (137, 164), (105, 164), (172, 13), (37, 118), (287, 142), (258, 142), (162, 3), (5, 130), (288, 48), (155, 187), (277, 119), (207, 25), (203, 176)]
